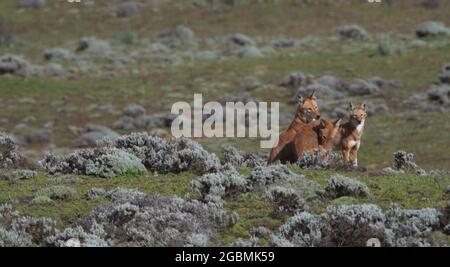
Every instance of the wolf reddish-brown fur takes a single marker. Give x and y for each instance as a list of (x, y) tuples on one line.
[(307, 111), (350, 134), (315, 135)]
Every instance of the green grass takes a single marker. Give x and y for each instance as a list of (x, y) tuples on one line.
[(67, 102), (21, 193)]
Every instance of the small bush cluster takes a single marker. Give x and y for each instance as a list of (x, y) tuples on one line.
[(214, 186), (320, 161), (103, 162), (17, 230), (267, 175), (341, 186), (57, 192), (285, 200), (158, 221), (31, 4), (15, 65), (18, 175), (404, 162), (354, 225), (93, 134), (174, 156), (352, 32), (227, 181), (9, 155), (135, 117), (236, 158), (95, 193), (123, 194), (432, 29), (177, 36)]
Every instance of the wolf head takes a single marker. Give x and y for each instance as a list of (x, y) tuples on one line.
[(307, 109)]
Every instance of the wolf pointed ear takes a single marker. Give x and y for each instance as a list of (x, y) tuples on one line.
[(364, 106), (300, 98), (350, 106), (337, 123), (313, 95)]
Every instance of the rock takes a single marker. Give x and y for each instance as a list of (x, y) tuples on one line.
[(332, 82), (42, 136), (31, 4), (94, 46), (16, 65), (284, 43), (384, 84), (354, 32), (127, 9), (134, 111), (176, 36), (439, 94), (93, 134), (296, 79), (322, 91), (363, 87), (250, 52), (60, 54), (432, 29), (206, 55), (444, 77), (242, 40)]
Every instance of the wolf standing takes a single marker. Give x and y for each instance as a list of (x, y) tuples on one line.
[(350, 134)]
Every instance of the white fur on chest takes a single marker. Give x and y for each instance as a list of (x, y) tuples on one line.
[(360, 127), (353, 144)]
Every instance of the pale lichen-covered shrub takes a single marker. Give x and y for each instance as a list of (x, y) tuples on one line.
[(18, 175), (214, 186), (197, 240), (39, 200), (17, 230), (123, 194), (154, 221), (9, 155), (95, 237), (440, 94), (267, 175), (252, 242), (14, 239), (302, 230), (354, 32), (103, 162), (57, 192), (432, 29), (285, 200), (15, 65), (341, 186), (404, 162), (95, 193), (412, 227), (354, 225), (173, 156), (319, 161), (236, 157), (31, 4)]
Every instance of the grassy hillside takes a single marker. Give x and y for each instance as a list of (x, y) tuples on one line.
[(95, 86)]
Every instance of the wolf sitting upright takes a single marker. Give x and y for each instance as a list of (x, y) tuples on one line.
[(307, 112)]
